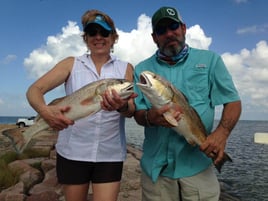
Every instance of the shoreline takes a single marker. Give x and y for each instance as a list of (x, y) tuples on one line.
[(130, 189)]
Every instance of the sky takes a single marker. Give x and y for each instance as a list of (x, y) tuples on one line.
[(36, 34)]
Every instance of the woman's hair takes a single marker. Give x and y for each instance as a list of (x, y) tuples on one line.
[(90, 15)]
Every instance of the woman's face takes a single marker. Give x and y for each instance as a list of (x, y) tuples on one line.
[(99, 40)]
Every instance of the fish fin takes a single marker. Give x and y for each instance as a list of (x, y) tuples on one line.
[(170, 119), (26, 136), (56, 101), (226, 157), (190, 141), (37, 118)]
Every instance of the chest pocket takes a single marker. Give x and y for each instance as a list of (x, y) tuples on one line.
[(196, 83)]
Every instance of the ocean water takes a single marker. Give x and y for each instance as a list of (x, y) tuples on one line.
[(8, 119), (246, 176)]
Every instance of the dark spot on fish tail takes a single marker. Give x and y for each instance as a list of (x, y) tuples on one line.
[(221, 163)]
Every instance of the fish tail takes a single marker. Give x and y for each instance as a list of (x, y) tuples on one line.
[(226, 157), (27, 135)]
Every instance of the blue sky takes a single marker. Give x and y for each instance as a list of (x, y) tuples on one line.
[(36, 34)]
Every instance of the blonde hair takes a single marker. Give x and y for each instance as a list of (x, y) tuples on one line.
[(90, 15)]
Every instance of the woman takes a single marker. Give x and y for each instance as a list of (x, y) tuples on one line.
[(92, 149)]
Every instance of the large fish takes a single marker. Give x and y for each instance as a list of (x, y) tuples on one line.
[(160, 92), (83, 102)]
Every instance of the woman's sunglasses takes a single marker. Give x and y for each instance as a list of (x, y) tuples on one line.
[(94, 31), (160, 30)]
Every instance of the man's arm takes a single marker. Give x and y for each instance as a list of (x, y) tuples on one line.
[(217, 140)]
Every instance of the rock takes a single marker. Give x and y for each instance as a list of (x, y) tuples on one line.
[(15, 197), (28, 175), (48, 164), (14, 193), (48, 195), (41, 184), (5, 143), (49, 183)]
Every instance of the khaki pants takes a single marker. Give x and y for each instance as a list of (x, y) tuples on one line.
[(201, 187)]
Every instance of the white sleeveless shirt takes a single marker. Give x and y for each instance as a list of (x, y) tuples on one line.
[(100, 137)]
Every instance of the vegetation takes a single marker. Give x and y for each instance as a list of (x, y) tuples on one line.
[(9, 178)]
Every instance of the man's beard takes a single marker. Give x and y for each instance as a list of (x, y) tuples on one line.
[(173, 50)]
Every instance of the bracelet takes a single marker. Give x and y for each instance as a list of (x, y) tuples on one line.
[(146, 118), (123, 109)]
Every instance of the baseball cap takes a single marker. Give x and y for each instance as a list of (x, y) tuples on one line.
[(99, 19), (166, 12)]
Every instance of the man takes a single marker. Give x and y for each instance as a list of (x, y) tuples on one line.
[(171, 168)]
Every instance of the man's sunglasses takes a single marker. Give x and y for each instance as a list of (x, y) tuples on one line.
[(94, 31), (160, 30)]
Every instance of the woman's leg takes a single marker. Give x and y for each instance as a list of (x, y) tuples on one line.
[(105, 191), (77, 192), (106, 181)]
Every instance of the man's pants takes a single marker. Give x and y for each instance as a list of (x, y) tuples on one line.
[(201, 187)]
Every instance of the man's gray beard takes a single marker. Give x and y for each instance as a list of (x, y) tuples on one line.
[(171, 51)]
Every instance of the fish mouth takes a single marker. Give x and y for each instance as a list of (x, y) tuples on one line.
[(128, 90), (130, 87), (144, 80)]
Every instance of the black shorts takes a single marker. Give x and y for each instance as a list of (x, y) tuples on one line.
[(80, 172)]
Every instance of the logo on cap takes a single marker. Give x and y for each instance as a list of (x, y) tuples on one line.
[(99, 18), (171, 12)]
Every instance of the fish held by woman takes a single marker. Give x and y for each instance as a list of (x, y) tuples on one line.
[(84, 102)]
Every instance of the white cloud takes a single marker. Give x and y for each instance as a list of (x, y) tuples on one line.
[(253, 29), (9, 58), (250, 73), (248, 67), (67, 43), (137, 44), (196, 37), (132, 46), (240, 1)]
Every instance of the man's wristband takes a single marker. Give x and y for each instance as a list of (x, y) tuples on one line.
[(146, 118)]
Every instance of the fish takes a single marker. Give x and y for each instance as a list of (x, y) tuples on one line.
[(160, 92), (83, 102)]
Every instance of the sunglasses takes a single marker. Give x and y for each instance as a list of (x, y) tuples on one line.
[(94, 31), (160, 30)]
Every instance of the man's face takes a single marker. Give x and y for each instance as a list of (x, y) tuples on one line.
[(169, 37)]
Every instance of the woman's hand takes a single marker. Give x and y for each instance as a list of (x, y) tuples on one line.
[(54, 116), (112, 101)]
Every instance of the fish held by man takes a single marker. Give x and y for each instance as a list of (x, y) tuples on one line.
[(83, 102), (160, 92)]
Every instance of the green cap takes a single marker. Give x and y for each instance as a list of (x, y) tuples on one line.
[(165, 12)]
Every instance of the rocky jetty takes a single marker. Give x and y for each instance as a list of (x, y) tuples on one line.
[(37, 176)]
